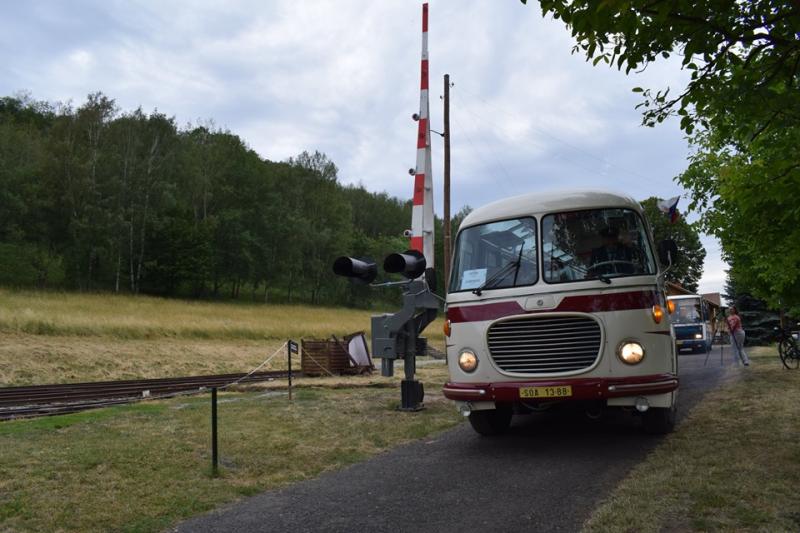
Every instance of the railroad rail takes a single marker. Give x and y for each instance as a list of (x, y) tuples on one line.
[(43, 400)]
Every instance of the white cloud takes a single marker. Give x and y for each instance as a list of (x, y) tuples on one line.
[(80, 59), (342, 77)]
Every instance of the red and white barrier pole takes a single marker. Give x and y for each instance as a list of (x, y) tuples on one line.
[(422, 212)]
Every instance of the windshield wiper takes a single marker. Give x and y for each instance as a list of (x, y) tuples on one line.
[(604, 278), (500, 274)]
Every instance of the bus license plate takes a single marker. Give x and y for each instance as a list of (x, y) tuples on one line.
[(545, 392)]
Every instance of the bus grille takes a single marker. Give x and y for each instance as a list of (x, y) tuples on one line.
[(545, 345)]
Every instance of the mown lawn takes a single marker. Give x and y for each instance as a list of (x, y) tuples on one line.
[(732, 465), (145, 467)]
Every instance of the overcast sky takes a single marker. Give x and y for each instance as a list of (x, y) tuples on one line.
[(342, 77)]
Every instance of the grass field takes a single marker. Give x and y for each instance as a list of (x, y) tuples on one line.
[(144, 467), (732, 465), (60, 337)]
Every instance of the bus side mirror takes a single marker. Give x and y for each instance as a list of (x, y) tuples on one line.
[(668, 252)]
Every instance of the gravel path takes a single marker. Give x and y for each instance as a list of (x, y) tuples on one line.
[(547, 474)]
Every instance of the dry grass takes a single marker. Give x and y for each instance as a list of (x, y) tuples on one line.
[(36, 359), (57, 337), (732, 465), (145, 467), (143, 317)]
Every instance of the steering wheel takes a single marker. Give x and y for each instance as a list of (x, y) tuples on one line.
[(612, 262)]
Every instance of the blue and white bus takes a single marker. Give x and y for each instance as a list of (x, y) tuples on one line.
[(692, 324)]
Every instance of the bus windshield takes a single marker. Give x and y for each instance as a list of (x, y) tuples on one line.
[(495, 255), (594, 244), (688, 311)]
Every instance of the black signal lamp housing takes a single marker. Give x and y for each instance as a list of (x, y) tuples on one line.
[(410, 264), (360, 270)]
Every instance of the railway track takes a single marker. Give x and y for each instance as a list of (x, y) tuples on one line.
[(44, 400)]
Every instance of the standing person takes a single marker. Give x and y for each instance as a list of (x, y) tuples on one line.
[(736, 331)]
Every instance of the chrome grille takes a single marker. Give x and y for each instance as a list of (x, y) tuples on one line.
[(545, 345)]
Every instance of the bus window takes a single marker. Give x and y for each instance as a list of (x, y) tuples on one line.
[(592, 244)]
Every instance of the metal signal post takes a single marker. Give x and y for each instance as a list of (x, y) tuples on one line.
[(397, 335)]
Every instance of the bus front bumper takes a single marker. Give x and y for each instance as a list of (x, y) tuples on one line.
[(686, 344), (580, 388)]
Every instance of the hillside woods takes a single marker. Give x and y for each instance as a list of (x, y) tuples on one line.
[(95, 198)]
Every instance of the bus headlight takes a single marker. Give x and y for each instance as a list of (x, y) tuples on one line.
[(698, 335), (467, 361), (630, 352)]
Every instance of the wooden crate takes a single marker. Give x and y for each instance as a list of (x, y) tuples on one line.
[(323, 357)]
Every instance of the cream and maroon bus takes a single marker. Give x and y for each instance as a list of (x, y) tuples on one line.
[(559, 298)]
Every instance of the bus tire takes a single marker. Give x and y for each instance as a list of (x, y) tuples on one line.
[(659, 420), (491, 422)]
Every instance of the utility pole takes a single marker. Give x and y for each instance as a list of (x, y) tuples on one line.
[(446, 221)]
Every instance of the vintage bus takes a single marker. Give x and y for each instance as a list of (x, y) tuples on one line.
[(692, 323), (559, 298)]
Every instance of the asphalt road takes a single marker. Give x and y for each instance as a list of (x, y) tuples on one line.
[(547, 474)]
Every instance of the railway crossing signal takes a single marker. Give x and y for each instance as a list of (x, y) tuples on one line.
[(397, 335), (359, 270)]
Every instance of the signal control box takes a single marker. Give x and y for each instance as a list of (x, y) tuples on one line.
[(396, 336)]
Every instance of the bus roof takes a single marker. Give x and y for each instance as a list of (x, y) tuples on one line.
[(548, 202)]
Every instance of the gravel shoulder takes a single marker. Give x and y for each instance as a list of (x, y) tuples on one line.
[(549, 472)]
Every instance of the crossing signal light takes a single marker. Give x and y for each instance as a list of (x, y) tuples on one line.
[(410, 264), (359, 270)]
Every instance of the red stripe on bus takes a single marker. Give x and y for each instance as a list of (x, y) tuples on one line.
[(615, 301), (478, 313), (593, 303)]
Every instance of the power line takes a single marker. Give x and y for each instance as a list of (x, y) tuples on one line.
[(572, 161), (478, 151), (550, 135)]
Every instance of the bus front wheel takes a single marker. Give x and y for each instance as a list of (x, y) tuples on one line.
[(491, 421), (659, 420)]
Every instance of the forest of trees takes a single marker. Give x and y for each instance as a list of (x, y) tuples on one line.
[(93, 198), (96, 199)]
